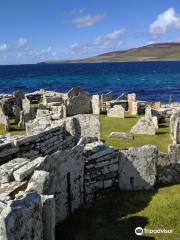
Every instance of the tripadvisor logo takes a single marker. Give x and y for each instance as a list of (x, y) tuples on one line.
[(139, 231)]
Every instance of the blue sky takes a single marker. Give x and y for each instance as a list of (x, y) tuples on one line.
[(38, 30)]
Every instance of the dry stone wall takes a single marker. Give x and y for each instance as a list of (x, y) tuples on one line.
[(101, 170), (168, 169), (36, 145), (67, 165), (65, 179)]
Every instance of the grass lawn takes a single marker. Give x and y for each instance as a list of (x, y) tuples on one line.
[(116, 217), (108, 125)]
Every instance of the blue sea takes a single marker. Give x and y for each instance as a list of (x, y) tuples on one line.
[(152, 81)]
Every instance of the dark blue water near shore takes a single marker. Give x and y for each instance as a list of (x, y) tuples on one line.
[(150, 80)]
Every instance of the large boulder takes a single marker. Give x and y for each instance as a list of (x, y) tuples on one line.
[(137, 168)]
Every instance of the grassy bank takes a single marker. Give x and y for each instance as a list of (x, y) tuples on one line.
[(116, 217), (108, 125)]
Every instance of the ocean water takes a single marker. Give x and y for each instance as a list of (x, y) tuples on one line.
[(152, 81)]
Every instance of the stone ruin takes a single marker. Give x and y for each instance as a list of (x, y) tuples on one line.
[(62, 164), (146, 125), (18, 106), (54, 106), (46, 176), (78, 102), (106, 97)]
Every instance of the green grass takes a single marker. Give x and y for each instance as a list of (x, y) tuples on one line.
[(2, 131), (108, 125), (16, 130), (116, 217)]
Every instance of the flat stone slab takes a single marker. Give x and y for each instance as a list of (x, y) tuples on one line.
[(94, 147), (7, 169), (137, 167), (121, 135), (27, 170)]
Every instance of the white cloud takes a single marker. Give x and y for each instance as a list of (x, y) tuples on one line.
[(79, 48), (22, 42), (110, 38), (3, 47), (166, 21), (101, 43), (87, 20)]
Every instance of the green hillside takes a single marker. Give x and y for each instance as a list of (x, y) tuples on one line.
[(153, 52)]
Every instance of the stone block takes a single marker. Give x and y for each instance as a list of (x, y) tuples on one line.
[(22, 218), (39, 182), (95, 104), (87, 125), (137, 168), (7, 169), (121, 135), (117, 111), (27, 170)]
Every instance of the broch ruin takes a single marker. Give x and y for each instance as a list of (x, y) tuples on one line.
[(61, 162)]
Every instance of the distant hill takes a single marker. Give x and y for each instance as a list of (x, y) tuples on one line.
[(152, 52)]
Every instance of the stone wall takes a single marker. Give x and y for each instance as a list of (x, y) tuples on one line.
[(87, 125), (61, 174), (65, 179), (66, 165), (101, 170), (37, 145), (168, 169)]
